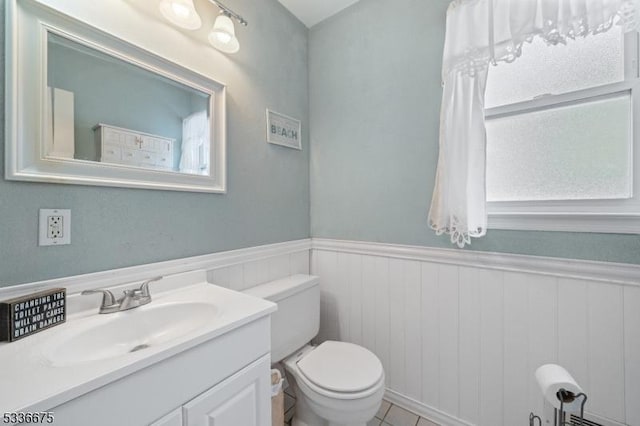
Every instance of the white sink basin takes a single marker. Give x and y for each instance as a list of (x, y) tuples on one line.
[(91, 350), (119, 334)]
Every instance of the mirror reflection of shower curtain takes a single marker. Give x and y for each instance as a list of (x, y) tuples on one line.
[(195, 144)]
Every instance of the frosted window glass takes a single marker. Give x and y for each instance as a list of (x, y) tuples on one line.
[(564, 153), (580, 64)]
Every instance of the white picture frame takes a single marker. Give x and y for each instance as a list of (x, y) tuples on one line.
[(284, 130)]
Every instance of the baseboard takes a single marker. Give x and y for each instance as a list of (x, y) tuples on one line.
[(437, 416)]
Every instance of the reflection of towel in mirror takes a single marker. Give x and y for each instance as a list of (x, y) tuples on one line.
[(195, 144)]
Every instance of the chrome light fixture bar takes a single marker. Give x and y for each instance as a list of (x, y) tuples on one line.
[(230, 13), (223, 33), (182, 13)]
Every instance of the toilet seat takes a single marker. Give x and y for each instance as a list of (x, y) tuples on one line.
[(341, 367), (338, 370), (317, 404), (309, 386)]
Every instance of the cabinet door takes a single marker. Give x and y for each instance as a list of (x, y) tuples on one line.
[(174, 418), (242, 399)]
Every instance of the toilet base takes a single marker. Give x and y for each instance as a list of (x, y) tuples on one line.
[(295, 422), (305, 416)]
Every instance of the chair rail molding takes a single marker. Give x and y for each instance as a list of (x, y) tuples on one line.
[(610, 272)]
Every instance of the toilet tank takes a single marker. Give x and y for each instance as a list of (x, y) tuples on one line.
[(297, 319)]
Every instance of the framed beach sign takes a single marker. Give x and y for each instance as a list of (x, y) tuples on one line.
[(283, 130)]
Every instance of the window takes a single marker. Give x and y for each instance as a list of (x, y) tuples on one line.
[(562, 150)]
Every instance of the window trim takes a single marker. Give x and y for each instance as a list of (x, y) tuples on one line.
[(605, 216)]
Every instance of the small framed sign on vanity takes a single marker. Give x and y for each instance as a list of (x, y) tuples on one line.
[(283, 130), (26, 315)]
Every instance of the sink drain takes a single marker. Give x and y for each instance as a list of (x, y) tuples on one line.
[(139, 347)]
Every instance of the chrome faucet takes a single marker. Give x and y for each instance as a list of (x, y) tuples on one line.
[(109, 303), (131, 298)]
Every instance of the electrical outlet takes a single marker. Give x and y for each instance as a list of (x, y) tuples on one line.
[(55, 227)]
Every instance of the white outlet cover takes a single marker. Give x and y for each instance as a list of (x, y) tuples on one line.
[(43, 239)]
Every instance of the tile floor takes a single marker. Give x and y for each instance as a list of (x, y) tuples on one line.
[(388, 415), (391, 415)]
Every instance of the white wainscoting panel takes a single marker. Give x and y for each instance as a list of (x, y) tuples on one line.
[(470, 344), (250, 273), (491, 340), (448, 339), (606, 350), (460, 334), (235, 269), (516, 347), (412, 333), (632, 353), (430, 332)]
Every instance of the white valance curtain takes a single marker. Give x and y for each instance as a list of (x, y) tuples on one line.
[(480, 32)]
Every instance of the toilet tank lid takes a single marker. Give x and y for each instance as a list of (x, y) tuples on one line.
[(282, 288)]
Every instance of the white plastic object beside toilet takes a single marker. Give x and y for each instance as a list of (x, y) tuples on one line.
[(336, 383)]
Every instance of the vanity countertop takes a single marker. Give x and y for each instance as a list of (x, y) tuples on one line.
[(32, 380)]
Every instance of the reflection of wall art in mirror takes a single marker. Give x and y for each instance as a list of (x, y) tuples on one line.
[(283, 130), (106, 112)]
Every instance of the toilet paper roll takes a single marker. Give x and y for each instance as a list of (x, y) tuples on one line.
[(551, 378)]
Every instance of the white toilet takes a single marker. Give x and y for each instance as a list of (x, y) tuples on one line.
[(336, 383)]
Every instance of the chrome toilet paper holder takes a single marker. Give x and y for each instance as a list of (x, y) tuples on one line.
[(560, 416)]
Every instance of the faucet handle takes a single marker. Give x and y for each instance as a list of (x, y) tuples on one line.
[(108, 299), (144, 288)]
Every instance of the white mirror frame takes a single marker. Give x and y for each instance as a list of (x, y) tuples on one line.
[(27, 26)]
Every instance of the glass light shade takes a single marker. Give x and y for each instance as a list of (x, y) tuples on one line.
[(223, 35), (181, 13)]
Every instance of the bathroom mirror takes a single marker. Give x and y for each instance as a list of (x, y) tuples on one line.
[(85, 107)]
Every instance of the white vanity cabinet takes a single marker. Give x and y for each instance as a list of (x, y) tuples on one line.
[(128, 147), (174, 418), (236, 401), (224, 381)]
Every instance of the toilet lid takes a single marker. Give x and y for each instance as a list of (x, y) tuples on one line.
[(341, 367)]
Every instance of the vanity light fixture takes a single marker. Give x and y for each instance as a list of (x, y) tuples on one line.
[(223, 34), (181, 13)]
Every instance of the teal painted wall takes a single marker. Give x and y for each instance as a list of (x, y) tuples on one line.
[(366, 81), (374, 102), (268, 185)]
